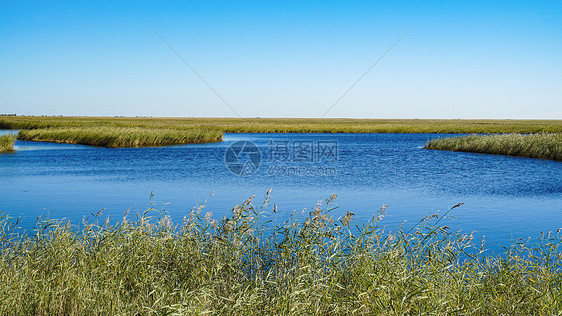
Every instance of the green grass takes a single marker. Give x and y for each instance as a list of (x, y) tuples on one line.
[(7, 143), (121, 136), (548, 146), (140, 129), (274, 125), (313, 264)]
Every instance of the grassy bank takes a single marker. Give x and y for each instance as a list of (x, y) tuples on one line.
[(7, 143), (121, 136), (548, 146), (139, 129), (307, 265), (267, 125)]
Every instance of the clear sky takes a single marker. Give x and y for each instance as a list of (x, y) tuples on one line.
[(461, 59)]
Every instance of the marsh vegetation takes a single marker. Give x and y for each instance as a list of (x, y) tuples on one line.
[(7, 143), (252, 262), (160, 131), (543, 145), (121, 136), (292, 125)]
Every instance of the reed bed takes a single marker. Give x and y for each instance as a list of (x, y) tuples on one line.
[(255, 261), (7, 143), (276, 125), (544, 145), (142, 131), (121, 136)]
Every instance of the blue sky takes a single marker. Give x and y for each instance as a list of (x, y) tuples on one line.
[(462, 59)]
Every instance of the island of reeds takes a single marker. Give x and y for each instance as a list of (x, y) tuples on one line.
[(109, 136), (543, 145), (7, 143), (142, 131), (258, 261)]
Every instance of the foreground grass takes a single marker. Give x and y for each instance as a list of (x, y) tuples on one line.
[(548, 146), (121, 136), (7, 143), (313, 264)]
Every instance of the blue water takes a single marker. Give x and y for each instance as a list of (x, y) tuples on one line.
[(504, 197)]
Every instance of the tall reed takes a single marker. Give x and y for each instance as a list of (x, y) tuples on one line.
[(257, 261), (7, 143)]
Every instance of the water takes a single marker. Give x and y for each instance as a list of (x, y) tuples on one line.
[(504, 197)]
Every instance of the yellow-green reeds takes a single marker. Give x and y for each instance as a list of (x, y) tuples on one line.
[(543, 145), (7, 143), (140, 129), (282, 125), (108, 136), (255, 261)]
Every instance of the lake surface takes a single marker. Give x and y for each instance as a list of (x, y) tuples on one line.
[(504, 197)]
